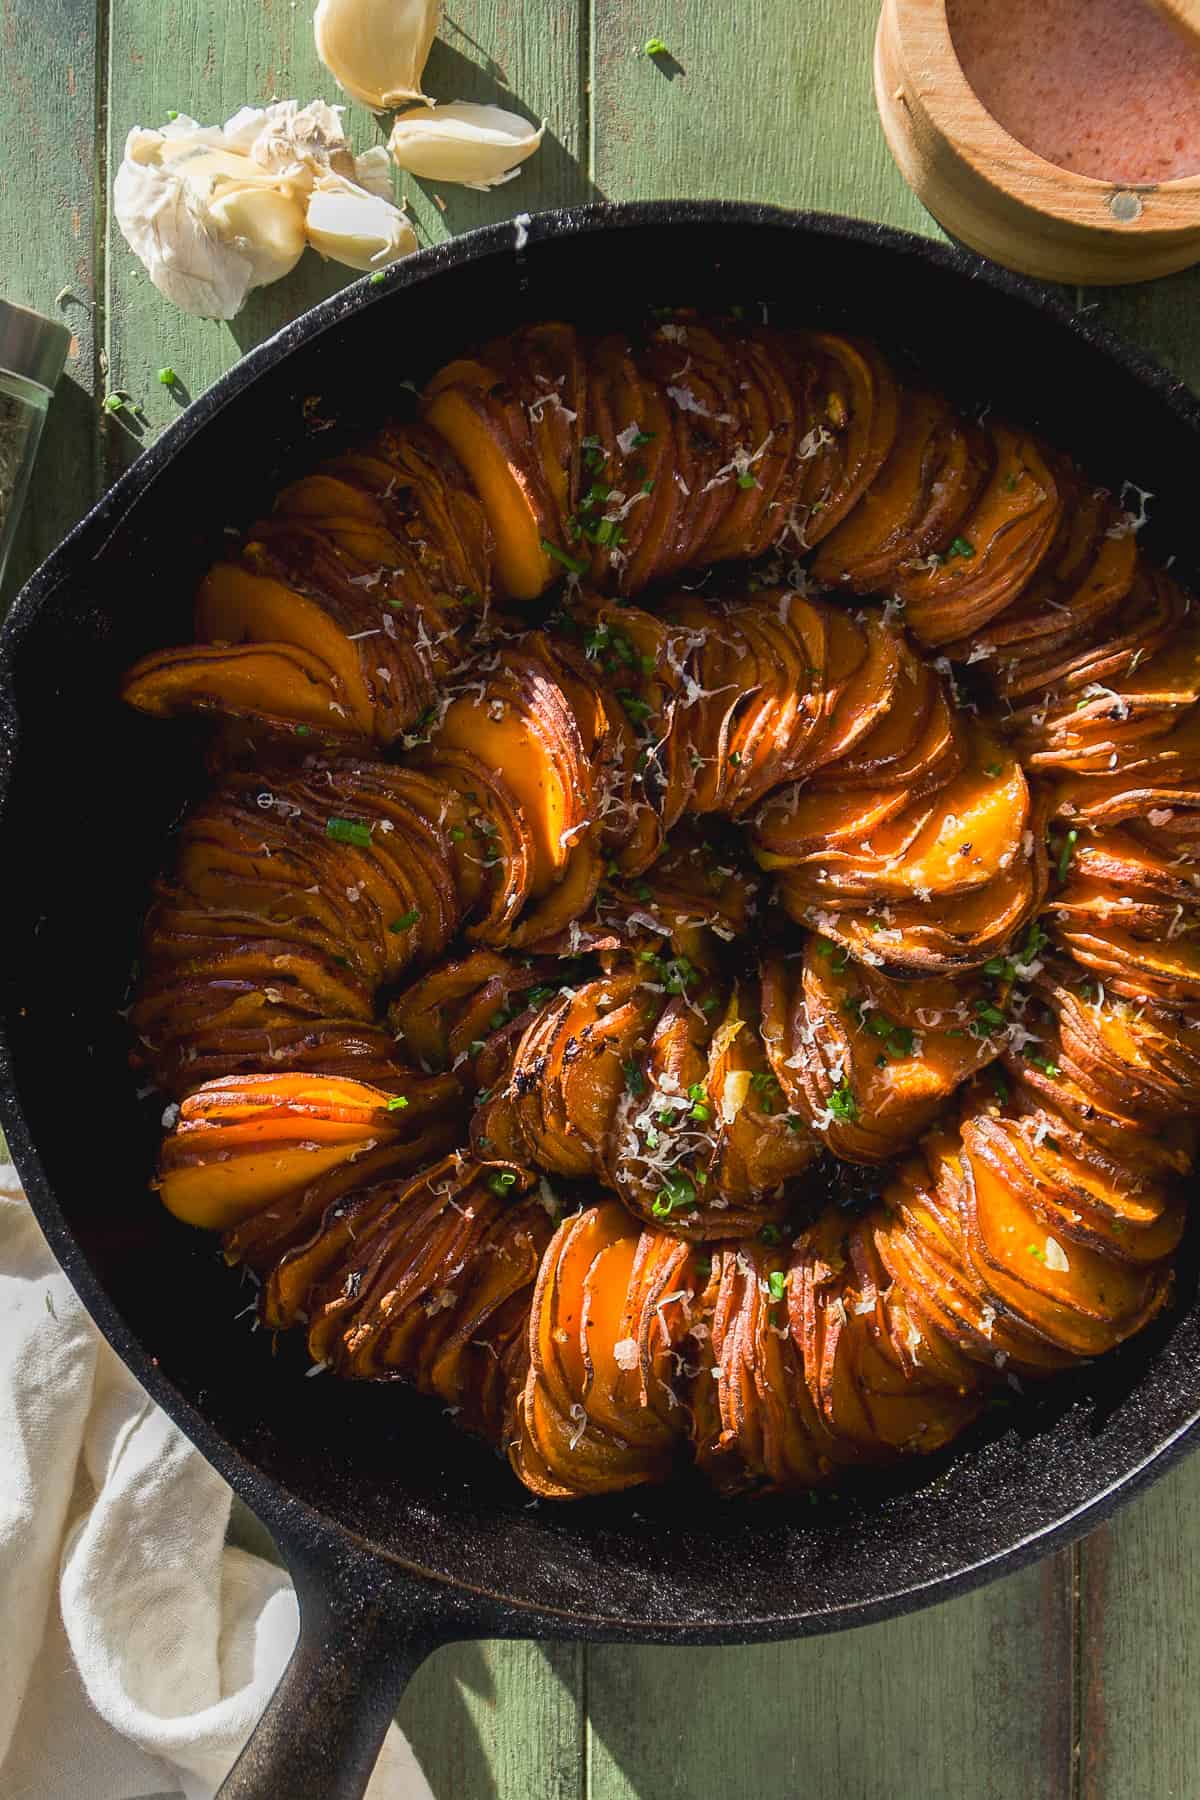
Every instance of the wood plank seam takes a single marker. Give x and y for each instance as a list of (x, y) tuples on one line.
[(103, 472)]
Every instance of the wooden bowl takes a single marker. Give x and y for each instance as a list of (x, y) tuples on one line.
[(1003, 199)]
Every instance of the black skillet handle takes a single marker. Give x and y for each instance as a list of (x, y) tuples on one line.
[(363, 1635)]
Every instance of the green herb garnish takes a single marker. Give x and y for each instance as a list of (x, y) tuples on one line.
[(349, 831), (1064, 860), (568, 562), (677, 1192), (842, 1103)]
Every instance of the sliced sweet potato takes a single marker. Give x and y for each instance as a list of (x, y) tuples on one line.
[(280, 685), (998, 545), (585, 1410), (242, 1143), (915, 503), (460, 404)]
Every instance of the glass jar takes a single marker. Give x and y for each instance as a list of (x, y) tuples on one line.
[(33, 350)]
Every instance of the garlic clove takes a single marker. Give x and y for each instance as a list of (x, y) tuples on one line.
[(265, 225), (352, 226), (377, 49), (204, 168), (477, 146)]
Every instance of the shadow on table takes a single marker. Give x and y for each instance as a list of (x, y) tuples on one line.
[(477, 1738), (62, 488)]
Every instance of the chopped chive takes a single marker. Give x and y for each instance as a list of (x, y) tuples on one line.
[(501, 1182), (777, 1282), (349, 831), (1064, 861), (568, 562), (677, 1191), (842, 1103), (397, 1103), (405, 923)]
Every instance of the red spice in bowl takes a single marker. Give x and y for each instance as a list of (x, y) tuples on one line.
[(1102, 87)]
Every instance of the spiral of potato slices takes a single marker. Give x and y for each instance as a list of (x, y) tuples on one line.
[(510, 1060)]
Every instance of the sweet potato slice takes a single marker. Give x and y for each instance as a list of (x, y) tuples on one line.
[(914, 504), (245, 1142), (760, 1426), (857, 414), (869, 1061), (588, 1425), (235, 606), (1087, 1306), (998, 546), (456, 406), (279, 685)]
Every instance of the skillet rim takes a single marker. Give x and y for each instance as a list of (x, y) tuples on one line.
[(305, 1531)]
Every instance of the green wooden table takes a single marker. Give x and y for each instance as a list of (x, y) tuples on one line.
[(1072, 1678)]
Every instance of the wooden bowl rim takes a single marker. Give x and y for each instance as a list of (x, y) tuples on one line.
[(1028, 178)]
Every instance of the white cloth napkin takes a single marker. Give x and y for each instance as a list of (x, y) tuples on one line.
[(138, 1648)]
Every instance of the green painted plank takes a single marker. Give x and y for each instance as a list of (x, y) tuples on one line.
[(1140, 1625), (973, 1699), (499, 1722), (48, 229), (209, 57), (762, 102)]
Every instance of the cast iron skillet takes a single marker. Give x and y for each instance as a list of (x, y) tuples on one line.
[(402, 1533)]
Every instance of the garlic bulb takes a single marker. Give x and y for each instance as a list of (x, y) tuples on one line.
[(208, 224), (213, 211), (354, 227), (377, 49), (477, 146)]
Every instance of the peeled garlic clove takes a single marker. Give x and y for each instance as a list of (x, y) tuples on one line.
[(377, 49), (357, 228), (266, 226), (477, 146)]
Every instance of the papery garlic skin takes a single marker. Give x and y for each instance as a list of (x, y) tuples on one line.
[(355, 227), (475, 146), (377, 49), (373, 171), (208, 224)]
